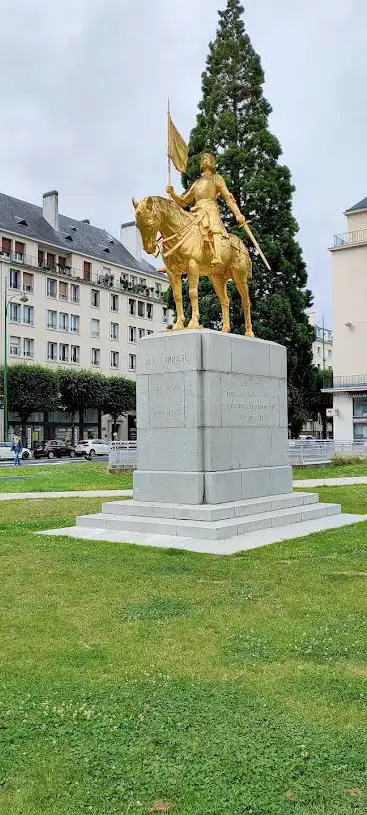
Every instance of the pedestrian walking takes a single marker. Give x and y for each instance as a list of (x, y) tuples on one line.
[(18, 450)]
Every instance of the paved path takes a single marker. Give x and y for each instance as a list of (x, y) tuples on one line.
[(299, 483), (330, 482), (15, 496)]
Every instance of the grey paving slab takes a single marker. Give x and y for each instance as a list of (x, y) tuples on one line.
[(241, 543)]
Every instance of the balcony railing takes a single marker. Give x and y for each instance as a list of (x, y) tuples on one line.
[(344, 382), (113, 280), (350, 238)]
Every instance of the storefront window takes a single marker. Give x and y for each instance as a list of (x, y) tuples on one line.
[(360, 418)]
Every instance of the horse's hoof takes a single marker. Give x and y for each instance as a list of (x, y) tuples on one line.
[(249, 334), (226, 329), (194, 324), (178, 327)]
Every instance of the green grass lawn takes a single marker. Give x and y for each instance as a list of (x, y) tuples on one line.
[(331, 470), (56, 478), (220, 685)]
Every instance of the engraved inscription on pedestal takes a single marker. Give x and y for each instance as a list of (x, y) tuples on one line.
[(166, 400), (249, 401)]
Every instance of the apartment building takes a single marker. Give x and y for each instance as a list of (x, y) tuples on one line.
[(322, 346), (349, 281), (77, 296)]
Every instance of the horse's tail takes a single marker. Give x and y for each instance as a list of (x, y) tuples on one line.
[(242, 255)]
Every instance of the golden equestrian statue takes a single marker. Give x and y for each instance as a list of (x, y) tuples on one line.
[(196, 242)]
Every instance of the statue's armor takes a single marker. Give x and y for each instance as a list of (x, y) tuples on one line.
[(205, 191)]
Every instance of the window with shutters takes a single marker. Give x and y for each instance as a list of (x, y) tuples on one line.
[(132, 362), (150, 311), (87, 270), (63, 290), (19, 251), (6, 246), (28, 282), (132, 333), (141, 308), (132, 307)]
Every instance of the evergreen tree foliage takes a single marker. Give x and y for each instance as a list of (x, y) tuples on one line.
[(232, 123)]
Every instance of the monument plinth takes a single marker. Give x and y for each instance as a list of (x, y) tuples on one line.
[(213, 472), (211, 418)]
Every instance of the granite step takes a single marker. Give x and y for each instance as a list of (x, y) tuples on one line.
[(210, 512), (213, 530)]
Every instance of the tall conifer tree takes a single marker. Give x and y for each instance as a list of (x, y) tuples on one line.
[(233, 124)]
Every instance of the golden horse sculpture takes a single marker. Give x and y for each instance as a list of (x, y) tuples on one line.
[(196, 243)]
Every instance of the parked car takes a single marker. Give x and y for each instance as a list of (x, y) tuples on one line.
[(7, 454), (92, 447), (54, 449)]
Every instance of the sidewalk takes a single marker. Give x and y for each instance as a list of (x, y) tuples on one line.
[(299, 483), (330, 482), (18, 496)]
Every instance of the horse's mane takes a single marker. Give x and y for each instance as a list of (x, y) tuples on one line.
[(166, 205)]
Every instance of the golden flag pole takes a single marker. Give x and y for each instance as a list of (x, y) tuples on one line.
[(169, 144)]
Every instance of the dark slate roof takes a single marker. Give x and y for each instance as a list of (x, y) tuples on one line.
[(72, 235), (361, 205)]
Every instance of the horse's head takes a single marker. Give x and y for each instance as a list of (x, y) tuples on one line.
[(147, 221)]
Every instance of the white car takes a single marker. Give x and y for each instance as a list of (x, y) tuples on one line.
[(7, 454), (92, 447)]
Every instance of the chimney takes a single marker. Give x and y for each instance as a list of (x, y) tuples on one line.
[(131, 239), (51, 208)]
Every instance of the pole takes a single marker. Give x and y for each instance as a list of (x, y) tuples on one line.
[(5, 365), (169, 143), (323, 343)]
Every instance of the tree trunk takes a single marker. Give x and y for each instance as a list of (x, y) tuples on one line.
[(23, 421), (99, 431), (324, 424), (81, 424)]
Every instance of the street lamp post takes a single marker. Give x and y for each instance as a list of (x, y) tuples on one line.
[(23, 299)]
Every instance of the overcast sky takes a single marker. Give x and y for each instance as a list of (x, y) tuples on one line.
[(85, 85)]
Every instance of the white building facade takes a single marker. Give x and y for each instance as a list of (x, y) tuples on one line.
[(322, 346), (89, 299), (349, 281)]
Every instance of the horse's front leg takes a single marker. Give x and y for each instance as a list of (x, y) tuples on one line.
[(193, 275), (175, 281)]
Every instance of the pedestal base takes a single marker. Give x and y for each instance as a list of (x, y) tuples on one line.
[(212, 487)]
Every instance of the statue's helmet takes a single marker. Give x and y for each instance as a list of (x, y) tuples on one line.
[(207, 158)]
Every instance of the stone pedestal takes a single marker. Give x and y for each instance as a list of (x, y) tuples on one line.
[(211, 418), (213, 472)]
